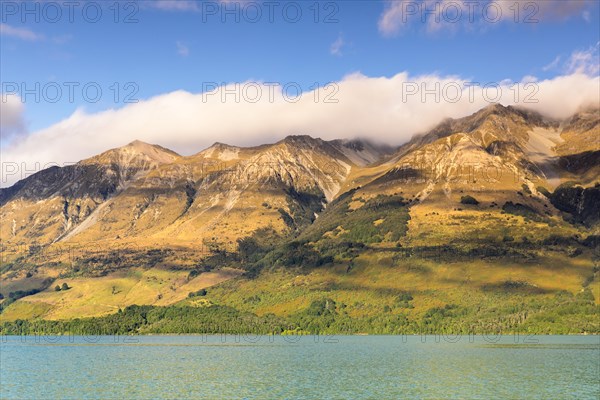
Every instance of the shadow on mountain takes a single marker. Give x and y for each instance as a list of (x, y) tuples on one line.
[(72, 181), (580, 163), (582, 204), (402, 174), (514, 287)]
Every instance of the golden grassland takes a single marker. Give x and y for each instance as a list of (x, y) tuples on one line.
[(369, 287), (377, 276), (376, 280), (90, 297)]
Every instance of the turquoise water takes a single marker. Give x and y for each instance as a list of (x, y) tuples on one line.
[(309, 367)]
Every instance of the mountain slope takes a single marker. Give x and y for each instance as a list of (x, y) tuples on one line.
[(497, 203), (146, 193), (49, 204)]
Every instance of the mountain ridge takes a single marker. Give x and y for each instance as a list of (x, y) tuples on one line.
[(512, 143), (502, 185)]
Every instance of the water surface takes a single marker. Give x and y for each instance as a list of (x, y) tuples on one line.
[(309, 367)]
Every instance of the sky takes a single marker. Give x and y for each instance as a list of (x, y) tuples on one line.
[(79, 78)]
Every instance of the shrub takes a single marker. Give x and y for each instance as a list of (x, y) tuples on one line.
[(65, 286), (468, 200), (321, 307), (57, 288), (199, 293), (296, 254), (403, 300), (404, 296), (586, 295), (521, 210)]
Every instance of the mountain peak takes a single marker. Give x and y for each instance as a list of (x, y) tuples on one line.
[(146, 148), (220, 145), (136, 150), (301, 140), (137, 143), (506, 111), (220, 151), (495, 107)]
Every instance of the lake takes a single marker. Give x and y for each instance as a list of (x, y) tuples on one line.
[(301, 367)]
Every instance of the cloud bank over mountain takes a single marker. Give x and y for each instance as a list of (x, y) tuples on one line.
[(385, 109)]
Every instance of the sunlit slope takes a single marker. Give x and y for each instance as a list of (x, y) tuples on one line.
[(498, 208), (105, 295), (142, 192)]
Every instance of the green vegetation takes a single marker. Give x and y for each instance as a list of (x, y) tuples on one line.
[(158, 320), (302, 206), (302, 255), (562, 313), (340, 234), (354, 269), (379, 219), (102, 264), (62, 287), (403, 300)]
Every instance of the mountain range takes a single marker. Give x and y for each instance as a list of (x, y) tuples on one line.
[(505, 202)]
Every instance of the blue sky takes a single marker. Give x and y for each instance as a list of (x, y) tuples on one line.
[(173, 46)]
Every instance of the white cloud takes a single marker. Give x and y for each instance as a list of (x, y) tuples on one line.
[(62, 39), (31, 36), (437, 15), (585, 61), (337, 46), (20, 33), (542, 10), (12, 122), (394, 17), (380, 108), (182, 49), (433, 15), (183, 5), (586, 16), (174, 5), (529, 79), (563, 96), (553, 65), (579, 62)]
